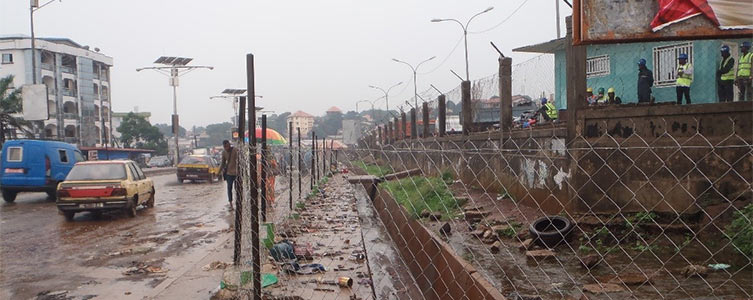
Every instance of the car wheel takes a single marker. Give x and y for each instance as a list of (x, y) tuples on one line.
[(150, 202), (69, 215), (9, 196), (131, 210)]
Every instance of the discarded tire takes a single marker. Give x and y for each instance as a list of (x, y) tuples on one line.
[(550, 231)]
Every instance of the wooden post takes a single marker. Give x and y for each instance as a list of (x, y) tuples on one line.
[(389, 133), (505, 93), (425, 110), (396, 129), (379, 135), (465, 89), (403, 125), (413, 129), (442, 115), (576, 79)]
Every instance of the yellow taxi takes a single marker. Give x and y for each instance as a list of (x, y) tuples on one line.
[(98, 186), (198, 167)]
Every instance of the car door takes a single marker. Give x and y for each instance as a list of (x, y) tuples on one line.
[(146, 183), (136, 181)]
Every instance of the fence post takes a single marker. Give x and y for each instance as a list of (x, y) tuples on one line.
[(264, 170), (396, 129), (413, 129), (238, 192), (290, 166), (300, 190), (576, 79), (467, 110), (403, 125), (442, 107), (324, 156), (254, 193), (313, 161), (389, 132), (425, 111), (505, 93), (379, 135)]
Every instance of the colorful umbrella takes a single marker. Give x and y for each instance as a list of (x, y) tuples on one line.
[(273, 137)]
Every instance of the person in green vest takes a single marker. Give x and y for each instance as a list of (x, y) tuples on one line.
[(611, 98), (548, 111), (744, 80), (725, 76), (601, 97), (684, 78)]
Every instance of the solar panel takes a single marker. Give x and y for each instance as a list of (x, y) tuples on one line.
[(234, 91), (173, 61)]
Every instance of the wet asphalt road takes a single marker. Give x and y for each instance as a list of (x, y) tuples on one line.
[(91, 256)]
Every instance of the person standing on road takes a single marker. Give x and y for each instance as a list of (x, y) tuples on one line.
[(229, 168), (725, 76), (684, 78), (645, 82), (744, 79)]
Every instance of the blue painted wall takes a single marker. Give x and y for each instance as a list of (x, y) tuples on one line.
[(623, 75)]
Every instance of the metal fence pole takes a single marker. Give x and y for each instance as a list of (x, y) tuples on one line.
[(299, 162), (290, 165), (238, 187), (313, 161), (324, 156), (254, 192), (264, 166)]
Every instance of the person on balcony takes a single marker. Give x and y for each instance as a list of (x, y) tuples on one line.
[(645, 82), (744, 80), (725, 76), (548, 111), (611, 98), (684, 78)]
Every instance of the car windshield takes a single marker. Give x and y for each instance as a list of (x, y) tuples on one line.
[(113, 171), (194, 160)]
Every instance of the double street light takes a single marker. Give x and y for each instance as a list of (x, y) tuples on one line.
[(386, 94), (415, 69), (465, 36), (174, 67)]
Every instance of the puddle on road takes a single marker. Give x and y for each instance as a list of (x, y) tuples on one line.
[(41, 252)]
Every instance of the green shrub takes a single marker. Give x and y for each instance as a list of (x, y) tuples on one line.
[(740, 231)]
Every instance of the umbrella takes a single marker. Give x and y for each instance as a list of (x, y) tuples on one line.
[(273, 137)]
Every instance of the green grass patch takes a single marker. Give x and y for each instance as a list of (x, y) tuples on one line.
[(372, 169), (418, 193), (740, 231)]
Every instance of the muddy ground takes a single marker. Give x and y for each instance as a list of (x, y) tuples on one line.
[(109, 257)]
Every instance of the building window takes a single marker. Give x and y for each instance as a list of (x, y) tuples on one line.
[(7, 58), (665, 62), (597, 66)]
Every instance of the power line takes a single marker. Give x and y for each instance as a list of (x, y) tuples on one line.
[(503, 21)]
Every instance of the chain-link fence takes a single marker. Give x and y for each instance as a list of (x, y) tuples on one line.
[(657, 212)]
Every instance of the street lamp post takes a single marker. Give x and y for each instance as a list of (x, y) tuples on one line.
[(175, 65), (465, 36), (415, 69), (386, 94)]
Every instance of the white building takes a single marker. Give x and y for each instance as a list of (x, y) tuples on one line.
[(117, 118), (78, 85), (303, 120)]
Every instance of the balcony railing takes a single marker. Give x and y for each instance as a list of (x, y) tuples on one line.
[(70, 116), (67, 92), (47, 66), (68, 69), (71, 140)]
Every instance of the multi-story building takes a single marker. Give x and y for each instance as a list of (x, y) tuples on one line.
[(303, 120), (117, 119), (78, 86)]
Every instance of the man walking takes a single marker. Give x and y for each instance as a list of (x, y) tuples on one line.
[(744, 80), (229, 168), (645, 82), (684, 78), (725, 76)]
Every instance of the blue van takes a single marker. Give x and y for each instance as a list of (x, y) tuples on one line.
[(35, 166)]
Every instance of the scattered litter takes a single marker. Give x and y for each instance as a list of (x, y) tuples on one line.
[(717, 267), (144, 269), (216, 265), (323, 290), (695, 270)]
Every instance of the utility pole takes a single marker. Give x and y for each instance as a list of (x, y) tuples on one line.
[(557, 8), (175, 65)]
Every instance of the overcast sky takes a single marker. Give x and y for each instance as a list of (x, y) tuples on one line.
[(310, 55)]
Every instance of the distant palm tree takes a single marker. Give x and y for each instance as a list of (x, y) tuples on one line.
[(10, 104)]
